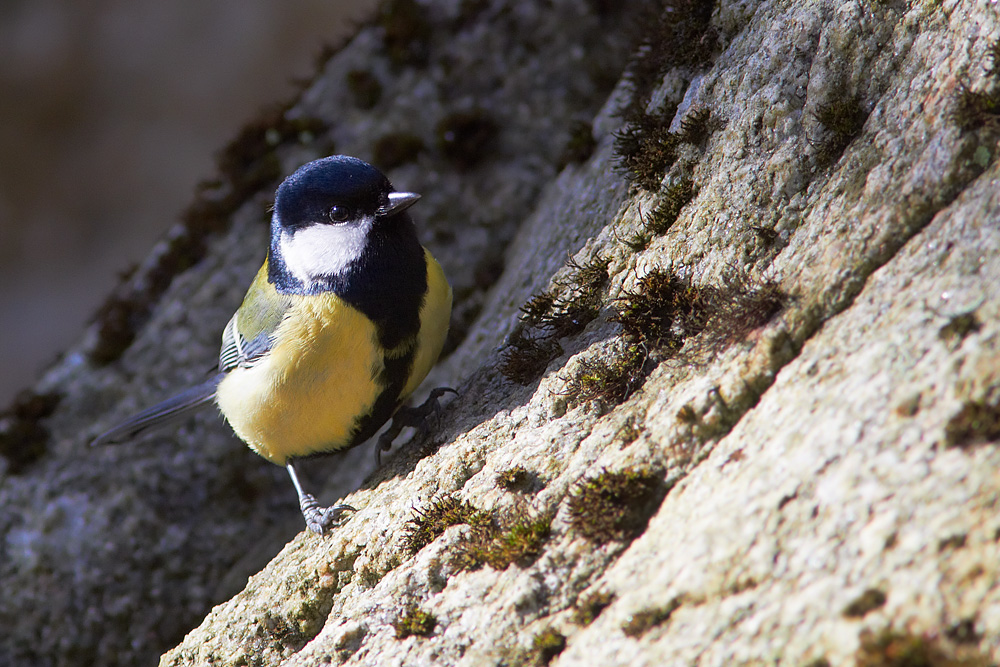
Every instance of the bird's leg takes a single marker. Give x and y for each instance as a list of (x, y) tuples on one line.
[(407, 416), (318, 519)]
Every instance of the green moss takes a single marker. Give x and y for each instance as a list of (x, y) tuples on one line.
[(952, 542), (580, 146), (674, 198), (977, 422), (843, 119), (964, 632), (587, 278), (396, 149), (959, 327), (546, 318), (366, 91), (740, 306), (681, 36), (494, 540), (663, 310), (545, 646), (569, 316), (645, 147), (537, 307), (977, 109), (518, 541), (615, 505), (23, 439), (642, 622), (639, 242), (465, 137), (414, 621), (868, 601), (611, 380), (526, 356), (695, 125), (890, 648), (517, 478), (591, 606), (431, 521)]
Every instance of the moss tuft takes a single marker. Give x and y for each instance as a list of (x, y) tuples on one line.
[(645, 147), (695, 125), (681, 36), (740, 306), (978, 422), (615, 505), (591, 606), (843, 119), (663, 311), (517, 478), (414, 621), (501, 544), (642, 622), (494, 540), (610, 380), (430, 522), (674, 198), (546, 317), (526, 356), (588, 278), (538, 306), (891, 648), (959, 327), (868, 601), (580, 146), (23, 439), (545, 646)]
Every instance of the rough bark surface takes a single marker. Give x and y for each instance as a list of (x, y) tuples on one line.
[(762, 432)]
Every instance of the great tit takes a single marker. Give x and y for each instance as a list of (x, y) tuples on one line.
[(343, 321)]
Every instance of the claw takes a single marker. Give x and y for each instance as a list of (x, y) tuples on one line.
[(321, 519), (318, 519), (407, 416)]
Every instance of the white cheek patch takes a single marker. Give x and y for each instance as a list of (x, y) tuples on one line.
[(322, 250)]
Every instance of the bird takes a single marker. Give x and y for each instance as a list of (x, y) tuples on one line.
[(342, 322)]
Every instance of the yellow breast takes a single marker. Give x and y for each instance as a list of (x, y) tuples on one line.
[(306, 394)]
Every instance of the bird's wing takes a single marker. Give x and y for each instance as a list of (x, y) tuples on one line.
[(250, 333)]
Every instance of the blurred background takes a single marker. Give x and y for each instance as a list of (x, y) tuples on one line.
[(110, 112)]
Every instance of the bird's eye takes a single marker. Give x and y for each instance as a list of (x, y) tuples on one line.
[(339, 213)]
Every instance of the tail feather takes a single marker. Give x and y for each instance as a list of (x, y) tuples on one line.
[(168, 411)]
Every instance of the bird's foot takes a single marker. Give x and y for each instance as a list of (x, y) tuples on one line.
[(407, 416), (321, 519)]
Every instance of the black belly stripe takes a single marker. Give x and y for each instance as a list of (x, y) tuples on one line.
[(393, 377), (388, 283)]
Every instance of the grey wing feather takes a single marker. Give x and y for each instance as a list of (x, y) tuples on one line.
[(168, 411)]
